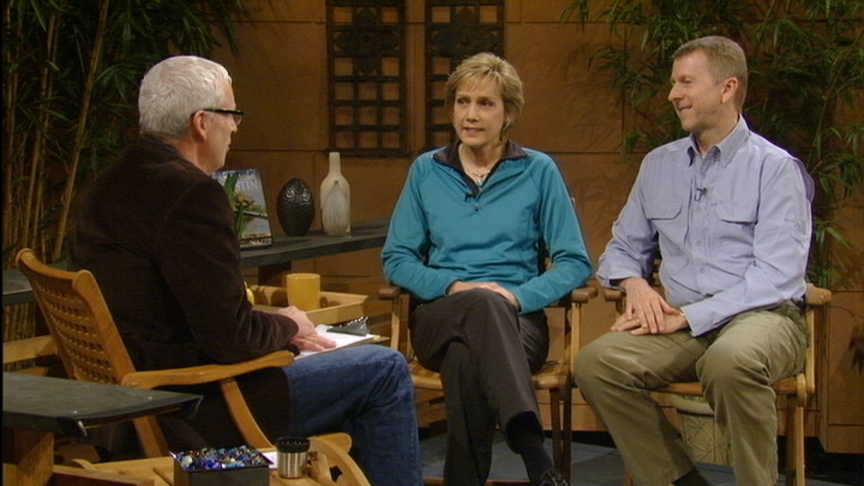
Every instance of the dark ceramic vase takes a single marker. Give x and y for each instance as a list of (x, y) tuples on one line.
[(295, 208)]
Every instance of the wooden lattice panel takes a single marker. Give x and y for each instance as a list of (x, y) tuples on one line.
[(455, 30), (366, 77)]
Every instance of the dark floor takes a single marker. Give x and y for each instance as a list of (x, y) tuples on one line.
[(595, 462), (846, 469)]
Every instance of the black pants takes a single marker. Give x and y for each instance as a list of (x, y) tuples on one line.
[(486, 354)]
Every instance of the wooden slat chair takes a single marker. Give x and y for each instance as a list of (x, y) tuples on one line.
[(797, 389), (554, 377), (90, 347)]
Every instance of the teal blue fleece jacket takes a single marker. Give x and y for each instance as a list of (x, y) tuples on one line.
[(444, 228)]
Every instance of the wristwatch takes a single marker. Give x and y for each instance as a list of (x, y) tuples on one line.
[(682, 314)]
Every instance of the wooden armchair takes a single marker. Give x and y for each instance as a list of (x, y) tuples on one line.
[(797, 389), (91, 349), (554, 377)]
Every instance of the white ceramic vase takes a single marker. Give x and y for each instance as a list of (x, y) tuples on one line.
[(334, 210), (335, 215)]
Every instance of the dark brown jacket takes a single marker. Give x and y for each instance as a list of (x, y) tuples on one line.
[(158, 234)]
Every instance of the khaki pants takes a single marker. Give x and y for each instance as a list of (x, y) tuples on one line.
[(736, 364)]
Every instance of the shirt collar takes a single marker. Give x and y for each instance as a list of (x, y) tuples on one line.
[(450, 155), (727, 146)]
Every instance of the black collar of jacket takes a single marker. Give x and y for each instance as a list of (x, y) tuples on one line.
[(449, 155)]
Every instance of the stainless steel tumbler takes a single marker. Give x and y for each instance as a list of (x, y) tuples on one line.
[(291, 453)]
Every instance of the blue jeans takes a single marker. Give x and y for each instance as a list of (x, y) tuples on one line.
[(365, 391)]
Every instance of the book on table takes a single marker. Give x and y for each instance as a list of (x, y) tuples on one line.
[(245, 192)]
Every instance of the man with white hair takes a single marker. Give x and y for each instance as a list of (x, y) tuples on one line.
[(157, 232)]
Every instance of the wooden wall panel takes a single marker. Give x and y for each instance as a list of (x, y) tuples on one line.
[(600, 184), (290, 11), (280, 81), (569, 107)]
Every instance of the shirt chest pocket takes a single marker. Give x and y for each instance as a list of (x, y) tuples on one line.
[(667, 219), (736, 221), (737, 213)]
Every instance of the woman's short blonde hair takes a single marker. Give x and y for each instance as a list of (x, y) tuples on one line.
[(486, 66)]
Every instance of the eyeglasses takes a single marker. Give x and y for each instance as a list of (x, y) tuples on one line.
[(236, 114)]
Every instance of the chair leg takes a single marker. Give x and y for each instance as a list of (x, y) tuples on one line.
[(795, 413), (567, 432), (557, 444)]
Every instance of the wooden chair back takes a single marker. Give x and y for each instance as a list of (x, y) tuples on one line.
[(84, 334), (91, 348)]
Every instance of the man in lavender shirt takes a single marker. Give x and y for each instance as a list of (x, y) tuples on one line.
[(730, 214)]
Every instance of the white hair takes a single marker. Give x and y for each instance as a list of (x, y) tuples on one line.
[(174, 89)]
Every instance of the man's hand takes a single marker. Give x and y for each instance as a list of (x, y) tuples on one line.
[(460, 286), (313, 342), (647, 312), (307, 337), (671, 323)]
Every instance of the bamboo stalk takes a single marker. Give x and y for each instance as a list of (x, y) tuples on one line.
[(32, 218), (10, 98), (87, 96)]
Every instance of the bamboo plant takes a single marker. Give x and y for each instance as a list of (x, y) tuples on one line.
[(70, 77), (806, 59)]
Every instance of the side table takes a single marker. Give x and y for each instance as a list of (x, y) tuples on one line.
[(37, 407)]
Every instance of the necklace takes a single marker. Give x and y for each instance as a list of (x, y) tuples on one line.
[(478, 177)]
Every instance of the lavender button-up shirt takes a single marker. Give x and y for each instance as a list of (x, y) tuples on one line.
[(733, 227)]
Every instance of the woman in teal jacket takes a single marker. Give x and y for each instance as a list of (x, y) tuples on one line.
[(467, 235)]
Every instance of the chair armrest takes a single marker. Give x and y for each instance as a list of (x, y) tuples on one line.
[(817, 295), (390, 292), (332, 452), (195, 375), (583, 294), (612, 295)]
